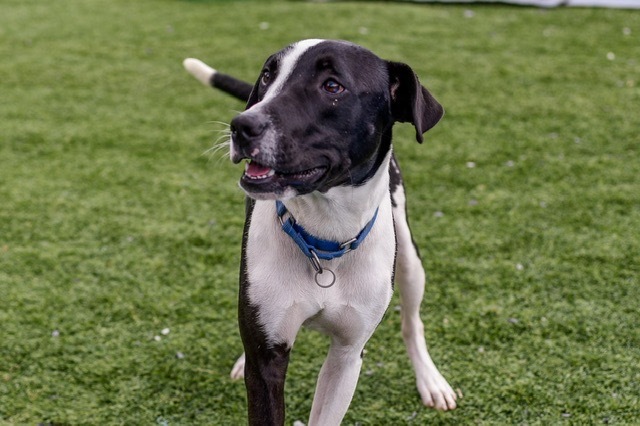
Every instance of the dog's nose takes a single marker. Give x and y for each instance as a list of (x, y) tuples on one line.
[(248, 127)]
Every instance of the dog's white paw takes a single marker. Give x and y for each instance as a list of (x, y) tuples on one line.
[(237, 372), (199, 70), (436, 392)]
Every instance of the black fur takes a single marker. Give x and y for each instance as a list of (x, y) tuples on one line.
[(231, 85)]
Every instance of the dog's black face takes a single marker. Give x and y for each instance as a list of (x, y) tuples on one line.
[(320, 116)]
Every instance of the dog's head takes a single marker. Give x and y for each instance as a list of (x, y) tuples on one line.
[(320, 115)]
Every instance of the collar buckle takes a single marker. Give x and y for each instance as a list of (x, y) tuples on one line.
[(348, 245)]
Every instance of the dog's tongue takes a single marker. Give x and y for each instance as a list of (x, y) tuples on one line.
[(254, 169)]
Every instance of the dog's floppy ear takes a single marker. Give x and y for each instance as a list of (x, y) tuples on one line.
[(410, 102)]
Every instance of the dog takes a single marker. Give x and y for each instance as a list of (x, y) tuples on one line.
[(326, 232)]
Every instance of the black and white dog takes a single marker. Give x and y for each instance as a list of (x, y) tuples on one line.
[(326, 229)]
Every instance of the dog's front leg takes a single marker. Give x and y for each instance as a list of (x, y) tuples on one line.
[(264, 375), (265, 368), (336, 384)]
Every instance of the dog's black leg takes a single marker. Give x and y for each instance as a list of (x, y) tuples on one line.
[(266, 364), (264, 376)]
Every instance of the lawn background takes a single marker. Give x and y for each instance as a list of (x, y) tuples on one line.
[(116, 225)]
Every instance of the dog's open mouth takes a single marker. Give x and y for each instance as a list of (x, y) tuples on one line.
[(256, 174), (256, 171)]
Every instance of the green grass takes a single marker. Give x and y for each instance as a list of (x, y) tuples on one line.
[(114, 225)]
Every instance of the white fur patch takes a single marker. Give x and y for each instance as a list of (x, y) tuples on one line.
[(281, 278), (287, 65), (199, 70)]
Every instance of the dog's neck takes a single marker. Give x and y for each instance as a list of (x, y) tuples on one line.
[(342, 212)]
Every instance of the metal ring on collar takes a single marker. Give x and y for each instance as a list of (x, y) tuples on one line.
[(333, 278)]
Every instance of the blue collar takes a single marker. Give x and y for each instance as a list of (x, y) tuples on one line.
[(315, 248)]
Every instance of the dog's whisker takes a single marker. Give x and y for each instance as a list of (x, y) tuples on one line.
[(218, 157), (219, 137), (220, 148), (221, 123), (224, 133)]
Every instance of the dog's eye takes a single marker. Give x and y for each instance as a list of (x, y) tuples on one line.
[(266, 77), (332, 86)]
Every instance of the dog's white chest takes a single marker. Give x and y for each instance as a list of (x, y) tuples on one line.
[(283, 288)]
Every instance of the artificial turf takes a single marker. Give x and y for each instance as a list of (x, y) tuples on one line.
[(120, 235)]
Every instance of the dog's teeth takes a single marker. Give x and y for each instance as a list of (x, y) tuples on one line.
[(269, 174), (256, 171)]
